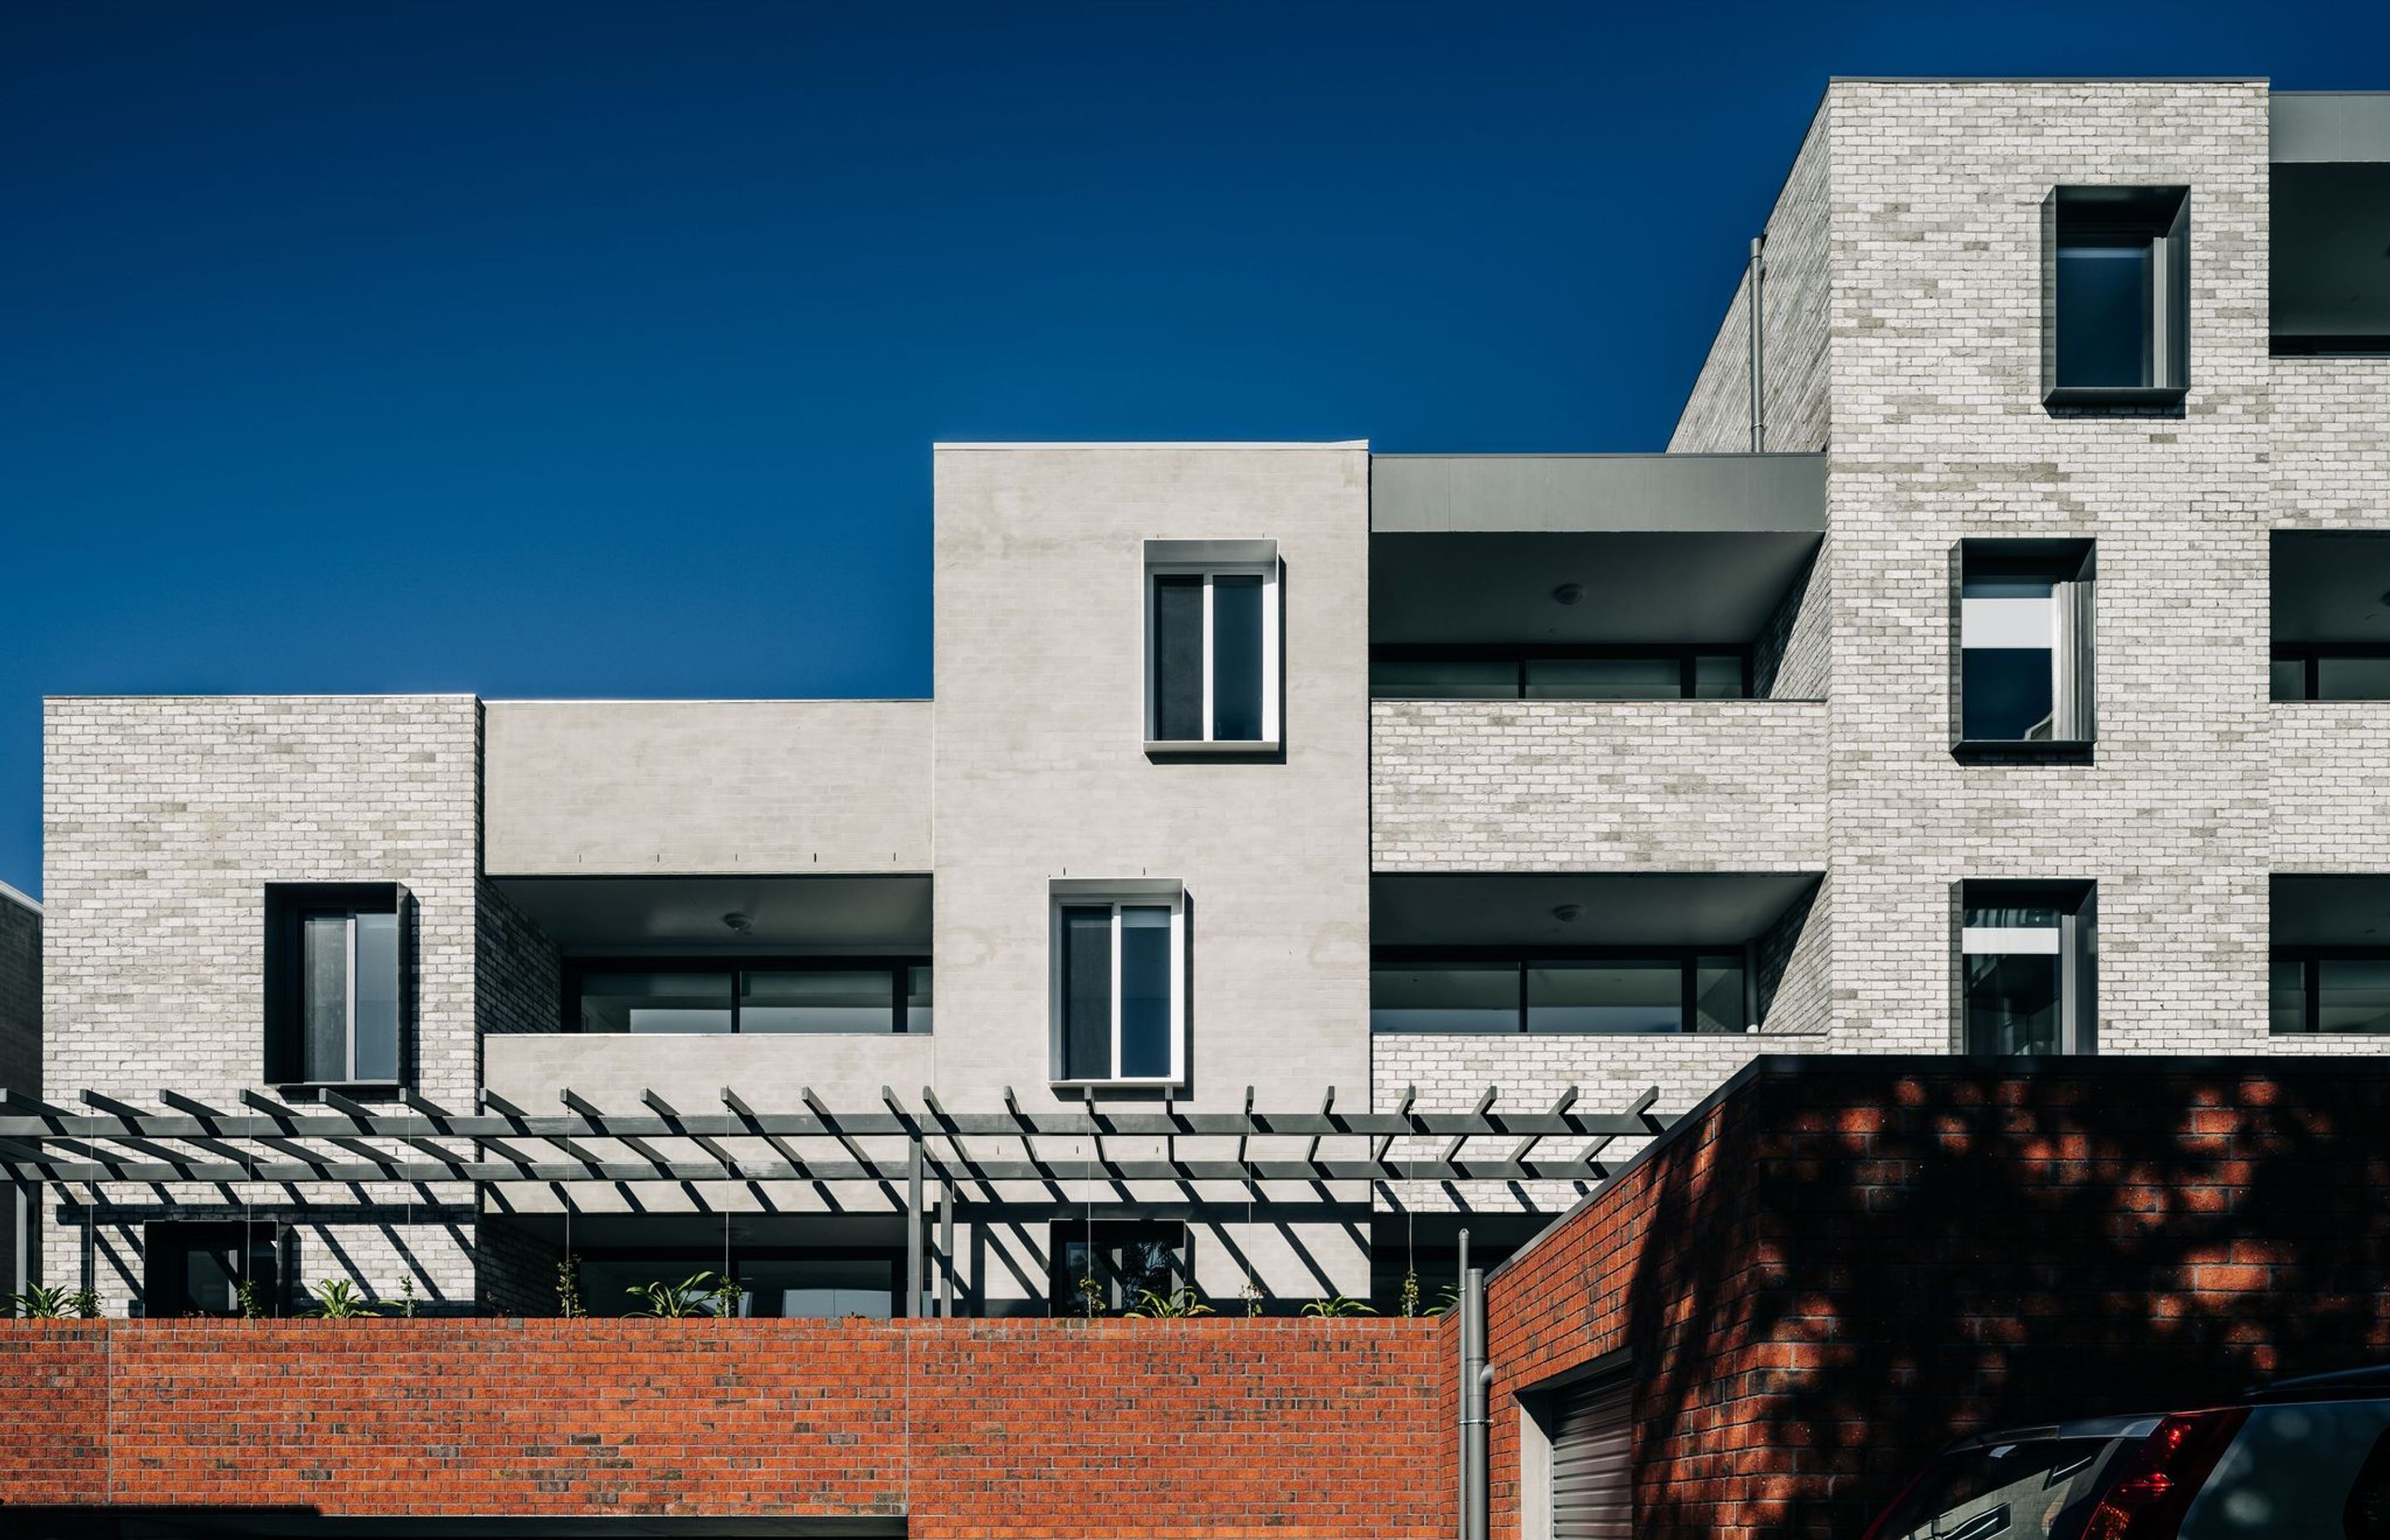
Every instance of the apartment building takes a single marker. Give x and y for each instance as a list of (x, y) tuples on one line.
[(1304, 851)]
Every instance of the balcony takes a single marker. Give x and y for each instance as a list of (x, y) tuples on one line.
[(2330, 224), (613, 986)]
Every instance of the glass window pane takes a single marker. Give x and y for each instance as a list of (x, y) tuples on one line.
[(2011, 1002), (665, 1002), (1605, 679), (864, 1000), (2005, 693), (1444, 679), (1145, 969), (1605, 997), (1445, 996), (1177, 658), (1717, 995), (820, 1287), (2021, 1491), (920, 1016), (1719, 677), (2288, 677), (2286, 994), (2353, 679), (2353, 994), (378, 996), (2104, 308), (1237, 680), (1087, 992), (323, 996)]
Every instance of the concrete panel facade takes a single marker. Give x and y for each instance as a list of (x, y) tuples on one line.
[(656, 787)]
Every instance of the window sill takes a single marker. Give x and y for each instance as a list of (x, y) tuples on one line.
[(2073, 751), (1242, 748), (355, 1090), (2073, 397), (1159, 1082)]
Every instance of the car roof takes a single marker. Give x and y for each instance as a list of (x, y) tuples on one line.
[(2371, 1379), (2087, 1426)]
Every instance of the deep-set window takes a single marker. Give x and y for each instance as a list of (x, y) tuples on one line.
[(780, 995), (197, 1268), (1111, 1265), (1505, 673), (2314, 991), (818, 1282), (1475, 990), (2027, 644), (338, 984), (1118, 983), (2116, 317), (1211, 643), (2026, 953)]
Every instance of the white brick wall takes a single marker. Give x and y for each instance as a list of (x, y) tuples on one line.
[(163, 818), (1598, 785)]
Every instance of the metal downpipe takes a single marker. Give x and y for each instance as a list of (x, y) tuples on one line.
[(1475, 1376)]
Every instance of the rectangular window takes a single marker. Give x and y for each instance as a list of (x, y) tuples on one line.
[(2356, 672), (791, 995), (2115, 324), (2025, 955), (2323, 992), (1119, 985), (197, 1267), (1487, 990), (339, 982), (1508, 671), (1111, 1265), (1211, 644), (2025, 643)]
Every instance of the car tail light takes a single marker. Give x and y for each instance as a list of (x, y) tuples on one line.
[(2158, 1481)]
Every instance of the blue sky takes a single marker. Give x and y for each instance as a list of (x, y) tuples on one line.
[(547, 349)]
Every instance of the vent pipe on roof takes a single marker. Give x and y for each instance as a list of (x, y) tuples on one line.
[(1757, 283)]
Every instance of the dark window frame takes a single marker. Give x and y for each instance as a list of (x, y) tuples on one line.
[(2310, 985), (1520, 654), (2067, 559), (166, 1246), (1689, 961), (2078, 901), (575, 970), (714, 1261), (2309, 656), (1062, 1293), (2120, 215), (286, 906)]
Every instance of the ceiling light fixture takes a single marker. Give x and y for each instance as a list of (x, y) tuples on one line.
[(737, 921), (1568, 914), (1568, 593)]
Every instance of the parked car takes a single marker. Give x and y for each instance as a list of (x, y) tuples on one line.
[(2301, 1459)]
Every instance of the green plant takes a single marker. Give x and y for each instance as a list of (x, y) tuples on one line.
[(41, 1302), (692, 1296), (339, 1300), (84, 1304), (406, 1305), (1177, 1305), (1410, 1294), (727, 1296), (1091, 1297), (1253, 1295), (246, 1297), (1448, 1299), (568, 1288), (1339, 1304)]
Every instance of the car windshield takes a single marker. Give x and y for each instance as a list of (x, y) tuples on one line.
[(1998, 1491)]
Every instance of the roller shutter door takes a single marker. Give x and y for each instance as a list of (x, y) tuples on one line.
[(1591, 1497)]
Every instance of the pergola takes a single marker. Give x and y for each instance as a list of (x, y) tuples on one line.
[(417, 1141)]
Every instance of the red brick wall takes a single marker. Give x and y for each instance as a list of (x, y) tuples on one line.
[(1845, 1264), (1281, 1428)]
